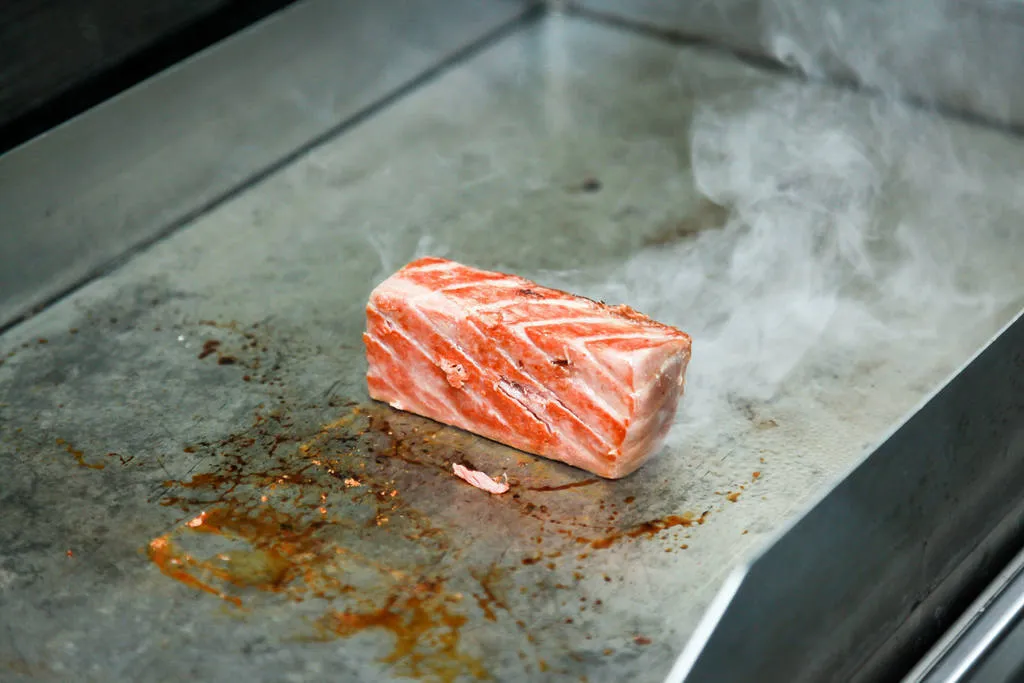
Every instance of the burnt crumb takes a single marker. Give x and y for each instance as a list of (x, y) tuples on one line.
[(226, 360), (591, 185), (560, 362), (209, 347), (44, 341), (246, 378), (642, 640)]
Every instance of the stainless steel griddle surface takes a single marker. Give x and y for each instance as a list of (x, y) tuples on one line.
[(182, 439)]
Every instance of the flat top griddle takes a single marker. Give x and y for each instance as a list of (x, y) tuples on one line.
[(197, 485)]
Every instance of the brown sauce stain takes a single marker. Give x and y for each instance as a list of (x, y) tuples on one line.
[(647, 529), (425, 628), (124, 460), (273, 504), (488, 597), (178, 565), (79, 456)]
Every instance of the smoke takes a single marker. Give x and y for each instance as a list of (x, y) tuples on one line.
[(958, 54), (858, 233)]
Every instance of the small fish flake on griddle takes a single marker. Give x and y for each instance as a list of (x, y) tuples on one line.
[(480, 479)]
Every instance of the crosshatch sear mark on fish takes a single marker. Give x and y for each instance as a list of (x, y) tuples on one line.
[(449, 342)]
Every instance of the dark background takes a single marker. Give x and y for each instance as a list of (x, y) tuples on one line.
[(61, 57)]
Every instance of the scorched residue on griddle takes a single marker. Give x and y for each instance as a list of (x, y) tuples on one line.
[(364, 514)]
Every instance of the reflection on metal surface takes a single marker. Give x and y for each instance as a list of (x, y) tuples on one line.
[(125, 172), (62, 57), (1005, 664), (981, 630), (870, 571)]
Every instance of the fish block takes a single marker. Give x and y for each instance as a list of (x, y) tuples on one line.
[(538, 369)]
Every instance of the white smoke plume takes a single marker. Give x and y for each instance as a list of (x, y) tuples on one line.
[(961, 55), (856, 230)]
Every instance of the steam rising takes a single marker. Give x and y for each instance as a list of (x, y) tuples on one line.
[(963, 55), (856, 230)]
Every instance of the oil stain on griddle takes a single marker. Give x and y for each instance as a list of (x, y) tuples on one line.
[(363, 515)]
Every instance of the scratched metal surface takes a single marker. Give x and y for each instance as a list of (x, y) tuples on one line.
[(196, 486)]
